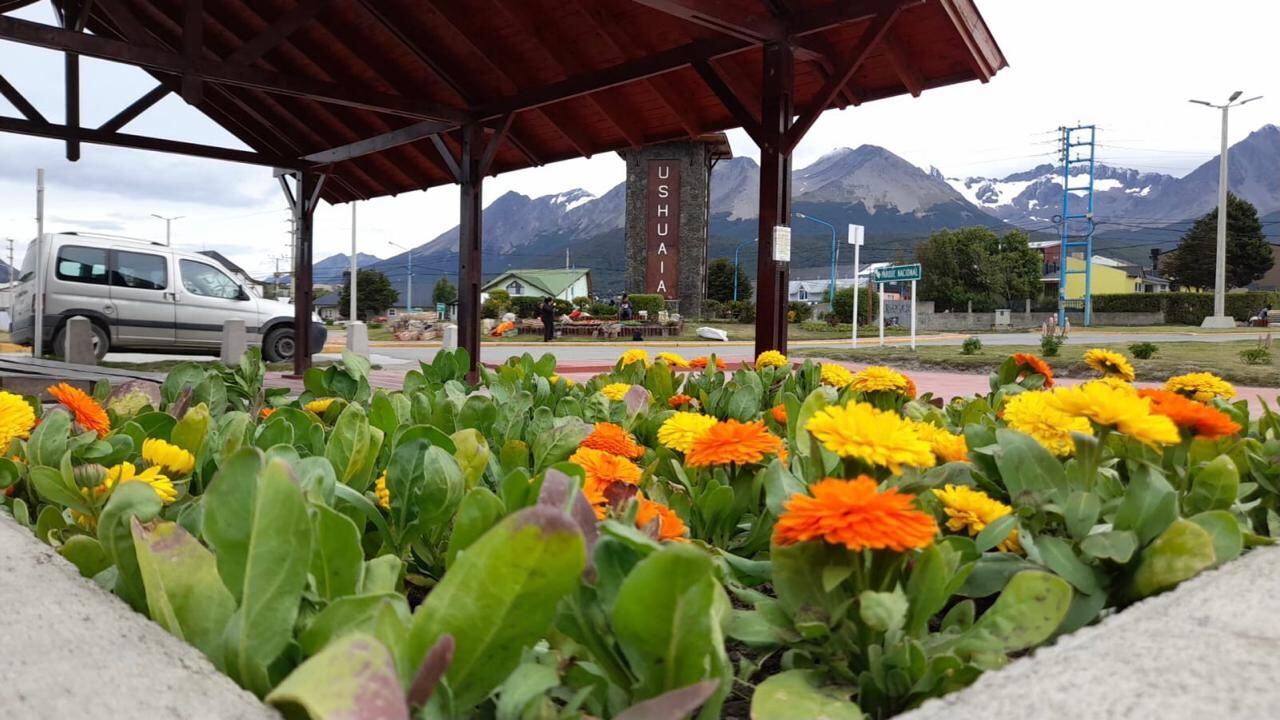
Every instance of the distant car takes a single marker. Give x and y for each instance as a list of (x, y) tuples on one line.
[(141, 295)]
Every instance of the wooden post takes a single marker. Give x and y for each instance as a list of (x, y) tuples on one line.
[(302, 291), (470, 234), (776, 114)]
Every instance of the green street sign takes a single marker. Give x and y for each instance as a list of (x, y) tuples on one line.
[(898, 273)]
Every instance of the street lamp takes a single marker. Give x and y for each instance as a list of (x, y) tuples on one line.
[(168, 222), (831, 295), (735, 266), (1219, 319), (409, 302)]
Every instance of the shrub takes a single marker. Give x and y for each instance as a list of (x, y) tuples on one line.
[(970, 346), (603, 310), (842, 306), (712, 308), (743, 311), (1185, 308), (798, 312), (497, 304), (653, 304), (1143, 350), (1256, 356), (526, 307), (582, 302), (1049, 345)]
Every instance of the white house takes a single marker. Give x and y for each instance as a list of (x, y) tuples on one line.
[(811, 285), (565, 284)]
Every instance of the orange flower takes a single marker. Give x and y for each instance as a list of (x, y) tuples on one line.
[(1205, 421), (265, 412), (856, 514), (668, 524), (699, 363), (595, 496), (88, 413), (779, 413), (613, 439), (910, 391), (679, 401), (1031, 364), (604, 469), (731, 441)]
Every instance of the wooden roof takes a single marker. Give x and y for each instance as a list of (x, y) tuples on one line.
[(335, 79)]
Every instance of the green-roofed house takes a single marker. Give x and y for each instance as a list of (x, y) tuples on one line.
[(562, 284)]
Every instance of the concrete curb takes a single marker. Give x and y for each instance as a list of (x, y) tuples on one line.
[(69, 649), (1209, 649)]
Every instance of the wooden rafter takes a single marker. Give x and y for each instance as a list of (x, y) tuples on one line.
[(723, 17)]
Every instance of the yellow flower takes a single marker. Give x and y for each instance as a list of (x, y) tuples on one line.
[(947, 446), (877, 378), (319, 406), (1199, 386), (126, 472), (16, 419), (972, 511), (1119, 408), (680, 430), (615, 391), (170, 458), (1034, 414), (875, 437), (380, 489), (771, 358), (673, 359), (1109, 364), (558, 379), (837, 376), (636, 355)]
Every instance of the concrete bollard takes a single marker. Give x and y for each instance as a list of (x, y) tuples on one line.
[(358, 338), (79, 339), (234, 342), (449, 339)]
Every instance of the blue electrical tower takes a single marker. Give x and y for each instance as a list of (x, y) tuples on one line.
[(1076, 226)]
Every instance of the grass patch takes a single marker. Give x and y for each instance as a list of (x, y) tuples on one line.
[(1222, 358)]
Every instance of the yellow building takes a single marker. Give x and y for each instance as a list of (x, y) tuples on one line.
[(1110, 277)]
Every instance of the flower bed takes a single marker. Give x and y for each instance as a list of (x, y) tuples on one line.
[(781, 542)]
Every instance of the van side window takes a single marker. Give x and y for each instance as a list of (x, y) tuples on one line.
[(82, 264), (206, 280), (140, 271)]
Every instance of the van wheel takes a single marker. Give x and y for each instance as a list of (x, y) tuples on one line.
[(101, 342), (279, 345)]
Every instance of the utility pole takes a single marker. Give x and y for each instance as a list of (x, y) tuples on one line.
[(1220, 319), (355, 266), (168, 227), (37, 340), (566, 258), (10, 278)]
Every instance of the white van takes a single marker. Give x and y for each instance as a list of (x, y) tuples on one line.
[(145, 296)]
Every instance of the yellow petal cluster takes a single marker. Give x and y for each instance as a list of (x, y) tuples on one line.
[(320, 405), (635, 355), (615, 391), (1120, 408), (971, 511), (680, 430), (1109, 364), (876, 437), (770, 358), (878, 378), (1034, 413), (947, 446), (837, 376), (17, 418), (675, 360), (170, 458), (381, 491), (127, 472), (1200, 386)]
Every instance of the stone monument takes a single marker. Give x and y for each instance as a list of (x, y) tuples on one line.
[(668, 219)]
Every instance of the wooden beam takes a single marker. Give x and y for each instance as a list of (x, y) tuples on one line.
[(82, 15), (139, 142), (192, 48), (15, 97), (491, 147), (446, 155), (868, 41), (729, 99), (776, 114), (276, 32), (378, 143), (46, 36), (470, 245), (902, 65), (984, 56), (723, 17), (136, 108)]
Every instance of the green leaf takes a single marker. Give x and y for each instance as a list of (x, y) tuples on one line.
[(381, 575), (1059, 556), (499, 598), (995, 532), (558, 442), (1115, 545), (1081, 512), (472, 455), (797, 579), (337, 561), (1030, 472), (356, 613), (675, 704), (348, 445), (354, 677), (54, 487), (1149, 506), (229, 504), (184, 593), (1181, 551), (49, 439), (190, 432), (666, 619), (528, 683), (1028, 611), (1214, 487), (129, 500), (480, 510), (1228, 539), (883, 611), (793, 694), (86, 554)]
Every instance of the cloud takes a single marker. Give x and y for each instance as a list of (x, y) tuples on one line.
[(138, 174), (90, 224)]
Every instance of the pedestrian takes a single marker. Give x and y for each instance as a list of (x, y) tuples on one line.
[(548, 313), (624, 308)]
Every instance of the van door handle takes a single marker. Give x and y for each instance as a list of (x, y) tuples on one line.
[(108, 309)]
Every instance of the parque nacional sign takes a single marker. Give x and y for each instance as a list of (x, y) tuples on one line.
[(898, 273)]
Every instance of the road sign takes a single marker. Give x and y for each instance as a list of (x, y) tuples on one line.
[(897, 273), (856, 234)]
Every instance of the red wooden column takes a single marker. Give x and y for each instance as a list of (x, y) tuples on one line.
[(302, 291), (470, 239), (776, 113)]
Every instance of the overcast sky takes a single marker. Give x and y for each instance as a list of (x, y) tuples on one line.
[(1128, 66)]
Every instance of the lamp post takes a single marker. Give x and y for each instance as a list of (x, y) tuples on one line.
[(831, 294), (735, 266), (1219, 319), (168, 226), (409, 301)]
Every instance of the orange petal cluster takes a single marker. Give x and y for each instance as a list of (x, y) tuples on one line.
[(679, 401), (664, 521), (613, 439), (1202, 420), (604, 468), (87, 412), (1034, 364), (856, 514), (700, 363), (779, 413), (733, 442)]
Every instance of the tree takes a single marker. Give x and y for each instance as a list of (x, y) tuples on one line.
[(374, 296), (975, 265), (1016, 269), (1248, 253), (444, 291), (720, 281)]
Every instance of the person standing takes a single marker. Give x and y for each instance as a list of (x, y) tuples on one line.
[(624, 308), (548, 312)]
